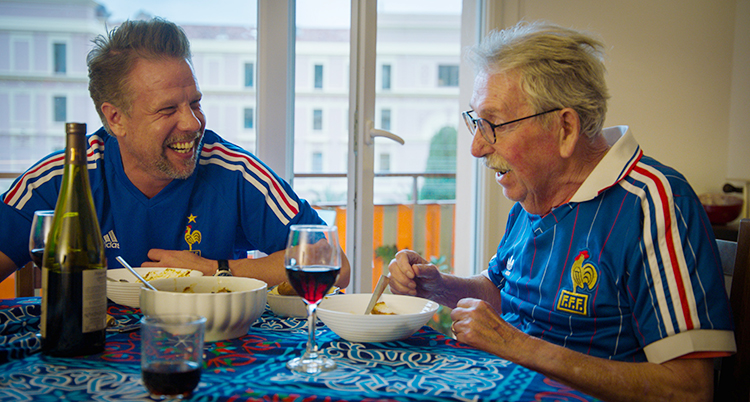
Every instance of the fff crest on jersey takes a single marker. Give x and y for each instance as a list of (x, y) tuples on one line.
[(192, 236), (584, 277)]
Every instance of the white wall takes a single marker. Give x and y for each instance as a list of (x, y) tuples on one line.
[(670, 75)]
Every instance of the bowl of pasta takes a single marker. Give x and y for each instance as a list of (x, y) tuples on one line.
[(230, 304), (393, 318), (124, 288)]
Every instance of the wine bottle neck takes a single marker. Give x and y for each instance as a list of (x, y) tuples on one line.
[(76, 148)]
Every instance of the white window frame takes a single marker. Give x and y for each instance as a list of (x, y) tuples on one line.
[(275, 114)]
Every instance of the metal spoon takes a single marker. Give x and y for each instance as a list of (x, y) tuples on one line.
[(379, 289), (132, 271)]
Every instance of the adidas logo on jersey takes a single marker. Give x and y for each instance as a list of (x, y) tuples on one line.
[(110, 240)]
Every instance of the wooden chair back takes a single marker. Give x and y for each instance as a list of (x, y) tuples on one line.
[(734, 376)]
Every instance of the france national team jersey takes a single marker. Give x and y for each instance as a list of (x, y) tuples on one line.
[(628, 269), (232, 203)]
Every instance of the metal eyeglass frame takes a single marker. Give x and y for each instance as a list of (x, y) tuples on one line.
[(474, 124)]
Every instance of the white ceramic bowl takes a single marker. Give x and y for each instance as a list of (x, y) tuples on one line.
[(128, 293), (228, 314), (289, 306), (286, 306), (344, 314)]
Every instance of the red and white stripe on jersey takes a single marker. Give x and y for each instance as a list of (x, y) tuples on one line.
[(19, 194), (281, 203), (669, 247)]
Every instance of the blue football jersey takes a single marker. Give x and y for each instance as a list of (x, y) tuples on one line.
[(628, 269)]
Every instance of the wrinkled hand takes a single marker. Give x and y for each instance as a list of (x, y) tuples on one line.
[(413, 275), (476, 323), (180, 259)]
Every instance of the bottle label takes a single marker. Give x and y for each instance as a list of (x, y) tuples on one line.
[(94, 300)]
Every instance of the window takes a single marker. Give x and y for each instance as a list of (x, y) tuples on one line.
[(448, 76), (60, 105), (249, 118), (60, 58), (318, 76), (385, 77), (385, 119), (317, 119), (249, 75), (317, 162), (385, 162)]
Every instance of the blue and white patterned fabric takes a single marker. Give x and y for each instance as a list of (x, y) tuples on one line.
[(425, 367)]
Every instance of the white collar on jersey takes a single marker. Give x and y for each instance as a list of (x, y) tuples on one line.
[(623, 153)]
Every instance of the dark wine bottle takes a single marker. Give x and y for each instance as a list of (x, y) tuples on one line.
[(74, 268)]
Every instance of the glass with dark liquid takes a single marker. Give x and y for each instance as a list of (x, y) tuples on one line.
[(40, 226), (313, 263), (172, 354)]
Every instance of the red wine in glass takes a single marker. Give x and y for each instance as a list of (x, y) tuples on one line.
[(312, 282), (171, 378)]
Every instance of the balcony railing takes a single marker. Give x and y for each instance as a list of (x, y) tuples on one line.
[(425, 226)]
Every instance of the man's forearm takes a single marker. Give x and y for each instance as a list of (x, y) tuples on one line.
[(7, 266), (271, 269), (455, 288), (677, 380)]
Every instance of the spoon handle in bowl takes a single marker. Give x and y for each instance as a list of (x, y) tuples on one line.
[(379, 289)]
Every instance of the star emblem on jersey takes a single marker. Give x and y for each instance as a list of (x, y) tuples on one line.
[(583, 276)]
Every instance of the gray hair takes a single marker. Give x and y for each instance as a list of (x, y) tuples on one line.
[(558, 68), (115, 55)]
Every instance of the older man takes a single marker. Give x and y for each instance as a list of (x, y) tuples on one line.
[(607, 278), (168, 192)]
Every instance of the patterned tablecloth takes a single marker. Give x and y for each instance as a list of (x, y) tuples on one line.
[(428, 367)]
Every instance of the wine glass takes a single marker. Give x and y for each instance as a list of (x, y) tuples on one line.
[(40, 226), (313, 263)]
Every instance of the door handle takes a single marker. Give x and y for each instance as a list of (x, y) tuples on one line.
[(373, 132)]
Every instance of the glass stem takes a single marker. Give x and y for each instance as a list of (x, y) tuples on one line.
[(312, 347)]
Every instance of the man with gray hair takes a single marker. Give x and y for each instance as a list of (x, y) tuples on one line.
[(608, 277)]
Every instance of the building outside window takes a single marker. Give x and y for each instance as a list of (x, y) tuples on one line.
[(317, 162), (385, 77), (385, 119), (318, 76), (60, 105), (249, 75), (60, 58), (448, 76), (249, 118), (385, 162), (317, 119)]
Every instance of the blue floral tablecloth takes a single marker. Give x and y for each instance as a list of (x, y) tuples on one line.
[(426, 367)]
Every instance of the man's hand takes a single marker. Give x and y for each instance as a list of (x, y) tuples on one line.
[(476, 323), (180, 259), (413, 275)]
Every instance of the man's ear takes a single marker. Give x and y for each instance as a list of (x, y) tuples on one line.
[(114, 118), (570, 132)]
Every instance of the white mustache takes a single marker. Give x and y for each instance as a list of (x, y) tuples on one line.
[(497, 163)]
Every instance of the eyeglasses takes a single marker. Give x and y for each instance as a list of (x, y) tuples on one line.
[(488, 129)]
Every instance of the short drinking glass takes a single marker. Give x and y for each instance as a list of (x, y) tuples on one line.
[(313, 263), (172, 354)]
